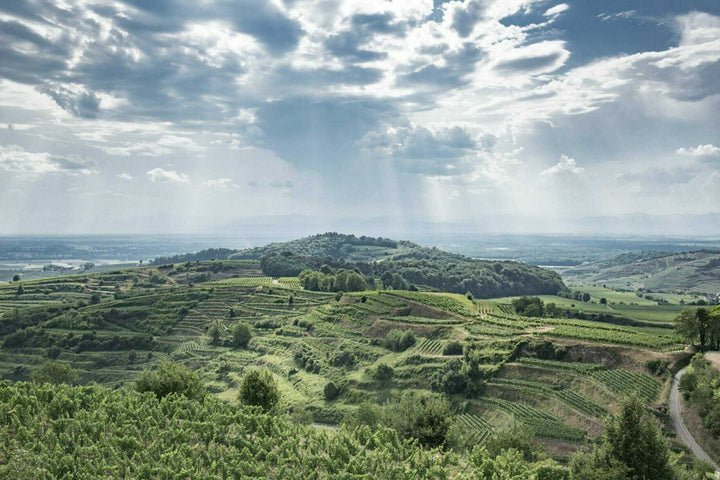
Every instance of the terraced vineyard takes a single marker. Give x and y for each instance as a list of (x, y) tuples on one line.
[(480, 429), (112, 325), (544, 424), (623, 382)]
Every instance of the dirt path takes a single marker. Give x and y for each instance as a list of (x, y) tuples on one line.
[(682, 431), (714, 358)]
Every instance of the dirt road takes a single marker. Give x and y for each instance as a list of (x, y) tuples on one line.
[(682, 431)]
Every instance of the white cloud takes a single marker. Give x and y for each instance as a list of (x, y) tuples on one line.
[(556, 10), (566, 164), (158, 175), (15, 159), (124, 176), (219, 183), (708, 150)]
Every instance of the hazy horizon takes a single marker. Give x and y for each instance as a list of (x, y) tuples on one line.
[(375, 117)]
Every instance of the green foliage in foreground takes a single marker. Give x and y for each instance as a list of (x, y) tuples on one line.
[(701, 387), (59, 431)]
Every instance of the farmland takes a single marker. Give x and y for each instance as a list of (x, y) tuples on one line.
[(110, 326)]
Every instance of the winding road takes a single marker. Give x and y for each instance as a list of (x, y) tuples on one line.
[(682, 431)]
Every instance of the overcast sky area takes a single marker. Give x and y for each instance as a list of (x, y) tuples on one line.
[(185, 116)]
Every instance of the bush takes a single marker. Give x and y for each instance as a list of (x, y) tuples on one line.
[(241, 335), (331, 391), (171, 377), (453, 348), (259, 388), (399, 340), (53, 352), (422, 416), (55, 372), (383, 372)]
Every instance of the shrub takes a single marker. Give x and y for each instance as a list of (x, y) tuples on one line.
[(55, 372), (422, 416), (171, 377), (53, 352), (383, 372), (259, 388), (241, 335), (331, 391), (399, 340), (453, 348)]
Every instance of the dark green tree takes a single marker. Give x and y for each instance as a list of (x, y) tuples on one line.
[(259, 388), (241, 335)]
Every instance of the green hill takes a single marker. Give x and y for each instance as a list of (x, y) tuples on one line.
[(696, 272), (375, 257)]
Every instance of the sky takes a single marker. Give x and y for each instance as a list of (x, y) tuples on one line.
[(186, 116)]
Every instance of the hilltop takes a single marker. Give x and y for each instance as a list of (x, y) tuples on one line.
[(696, 271), (410, 265)]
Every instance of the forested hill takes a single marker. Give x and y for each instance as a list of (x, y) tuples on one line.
[(695, 271), (396, 264), (335, 245)]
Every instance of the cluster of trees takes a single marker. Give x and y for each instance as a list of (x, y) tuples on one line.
[(535, 307), (399, 340), (701, 326), (328, 280), (701, 387), (332, 244), (207, 254)]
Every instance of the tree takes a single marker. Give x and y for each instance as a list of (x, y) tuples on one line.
[(55, 372), (399, 340), (603, 301), (383, 372), (331, 391), (20, 289), (420, 415), (686, 325), (634, 448), (16, 278), (387, 279), (241, 335), (214, 334), (259, 388), (171, 377)]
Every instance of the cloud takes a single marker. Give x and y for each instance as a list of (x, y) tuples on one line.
[(708, 150), (15, 159), (124, 176), (556, 10), (565, 165), (541, 57), (219, 183), (446, 150), (159, 175)]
